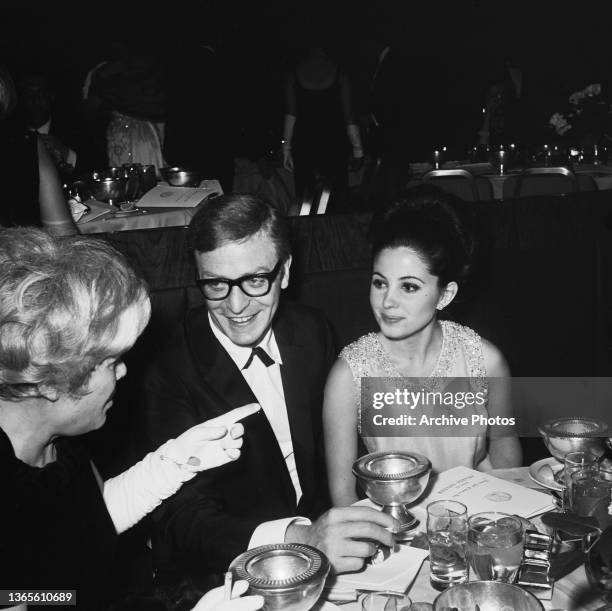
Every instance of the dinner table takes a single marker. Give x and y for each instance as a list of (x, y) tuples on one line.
[(570, 593), (601, 174), (105, 218)]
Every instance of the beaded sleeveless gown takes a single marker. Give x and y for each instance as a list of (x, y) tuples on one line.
[(461, 358)]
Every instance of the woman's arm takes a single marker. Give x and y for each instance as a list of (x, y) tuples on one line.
[(289, 122), (340, 432), (503, 451), (352, 129), (54, 212), (133, 494)]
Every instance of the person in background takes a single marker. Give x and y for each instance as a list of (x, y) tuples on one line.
[(320, 131), (31, 192), (243, 345), (204, 110), (36, 98), (421, 250), (133, 90), (505, 113), (69, 309)]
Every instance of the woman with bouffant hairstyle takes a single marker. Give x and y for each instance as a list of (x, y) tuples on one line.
[(421, 251), (69, 309)]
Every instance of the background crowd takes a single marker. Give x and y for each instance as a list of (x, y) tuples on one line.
[(311, 88)]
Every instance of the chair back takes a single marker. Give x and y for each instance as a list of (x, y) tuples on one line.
[(460, 183), (541, 181)]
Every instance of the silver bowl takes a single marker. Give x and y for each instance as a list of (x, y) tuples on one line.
[(488, 595), (394, 479), (289, 576), (181, 177), (564, 435), (109, 190)]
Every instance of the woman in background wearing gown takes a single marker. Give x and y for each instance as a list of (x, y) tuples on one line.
[(319, 127), (420, 253)]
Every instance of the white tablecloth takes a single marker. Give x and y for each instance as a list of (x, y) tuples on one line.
[(571, 593), (150, 218)]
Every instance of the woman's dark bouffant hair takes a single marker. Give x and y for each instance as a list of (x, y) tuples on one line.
[(433, 224)]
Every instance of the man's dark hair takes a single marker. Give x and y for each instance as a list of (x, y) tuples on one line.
[(236, 217)]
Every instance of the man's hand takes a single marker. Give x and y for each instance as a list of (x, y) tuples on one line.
[(346, 535)]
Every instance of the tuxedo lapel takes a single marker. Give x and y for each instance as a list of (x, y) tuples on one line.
[(296, 399), (216, 366), (222, 375)]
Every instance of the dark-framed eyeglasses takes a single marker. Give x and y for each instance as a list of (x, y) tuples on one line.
[(253, 285)]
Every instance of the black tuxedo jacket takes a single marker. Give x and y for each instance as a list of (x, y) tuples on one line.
[(211, 519)]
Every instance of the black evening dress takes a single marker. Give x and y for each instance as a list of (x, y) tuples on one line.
[(19, 177), (55, 530), (320, 143)]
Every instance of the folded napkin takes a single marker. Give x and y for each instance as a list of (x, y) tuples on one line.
[(77, 209), (396, 573), (96, 210)]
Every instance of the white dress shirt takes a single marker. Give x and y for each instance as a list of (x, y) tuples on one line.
[(267, 386)]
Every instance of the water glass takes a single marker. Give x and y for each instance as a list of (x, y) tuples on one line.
[(591, 494), (438, 157), (148, 178), (385, 601), (447, 536), (575, 461), (495, 546)]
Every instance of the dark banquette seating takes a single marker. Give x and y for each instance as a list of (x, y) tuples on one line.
[(541, 291)]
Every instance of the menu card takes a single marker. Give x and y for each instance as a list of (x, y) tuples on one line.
[(395, 574), (483, 492), (166, 196)]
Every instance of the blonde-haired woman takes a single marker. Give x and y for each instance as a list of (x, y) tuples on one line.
[(69, 309)]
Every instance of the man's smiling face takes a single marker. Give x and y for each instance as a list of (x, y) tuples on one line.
[(243, 319)]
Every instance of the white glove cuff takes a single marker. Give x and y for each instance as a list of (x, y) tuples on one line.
[(131, 495)]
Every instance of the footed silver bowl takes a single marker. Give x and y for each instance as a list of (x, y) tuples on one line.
[(488, 595), (289, 576), (108, 190), (181, 177), (394, 479), (564, 435)]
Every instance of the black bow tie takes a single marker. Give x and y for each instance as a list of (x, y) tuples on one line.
[(264, 357)]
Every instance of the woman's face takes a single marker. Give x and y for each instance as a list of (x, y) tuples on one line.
[(78, 415), (404, 296)]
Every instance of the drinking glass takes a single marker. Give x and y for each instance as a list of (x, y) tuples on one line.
[(500, 160), (385, 601), (447, 536), (148, 178), (591, 494), (438, 157), (495, 546), (131, 173), (575, 461)]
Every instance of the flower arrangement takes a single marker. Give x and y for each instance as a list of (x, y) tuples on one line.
[(586, 117)]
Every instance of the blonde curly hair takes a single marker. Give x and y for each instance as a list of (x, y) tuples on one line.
[(60, 304)]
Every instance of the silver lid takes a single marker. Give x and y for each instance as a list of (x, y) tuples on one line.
[(574, 427), (280, 566), (391, 466)]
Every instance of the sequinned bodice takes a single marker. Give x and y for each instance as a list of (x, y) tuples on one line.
[(461, 355)]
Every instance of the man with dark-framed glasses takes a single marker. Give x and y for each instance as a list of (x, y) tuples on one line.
[(246, 345)]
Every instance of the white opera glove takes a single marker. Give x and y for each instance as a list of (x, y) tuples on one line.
[(354, 136), (213, 600), (133, 494)]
